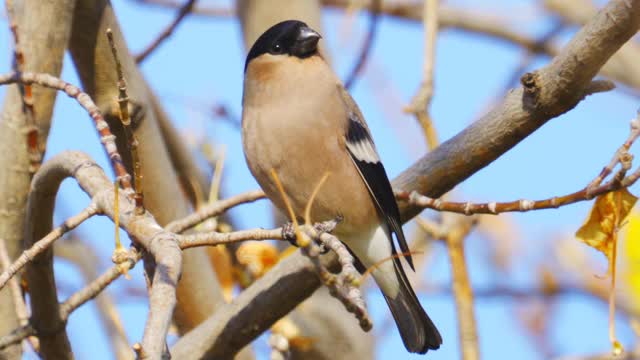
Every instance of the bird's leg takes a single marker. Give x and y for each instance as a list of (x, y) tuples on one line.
[(289, 232)]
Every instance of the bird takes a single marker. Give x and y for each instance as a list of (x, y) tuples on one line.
[(300, 122)]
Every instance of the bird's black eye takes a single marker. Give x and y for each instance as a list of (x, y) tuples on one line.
[(276, 49)]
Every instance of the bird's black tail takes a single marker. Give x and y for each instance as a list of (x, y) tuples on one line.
[(418, 332)]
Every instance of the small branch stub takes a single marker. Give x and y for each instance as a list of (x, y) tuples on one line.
[(132, 141)]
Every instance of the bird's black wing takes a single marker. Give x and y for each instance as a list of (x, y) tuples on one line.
[(365, 157)]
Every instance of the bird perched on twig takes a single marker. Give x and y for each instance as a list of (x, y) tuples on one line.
[(300, 121)]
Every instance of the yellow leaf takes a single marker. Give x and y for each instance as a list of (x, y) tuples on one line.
[(220, 258), (287, 328), (288, 252), (257, 256), (605, 219), (631, 255), (600, 231)]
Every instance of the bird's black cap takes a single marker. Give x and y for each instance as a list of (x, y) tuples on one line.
[(291, 37)]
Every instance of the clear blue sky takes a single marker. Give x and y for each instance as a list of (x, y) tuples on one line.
[(202, 64)]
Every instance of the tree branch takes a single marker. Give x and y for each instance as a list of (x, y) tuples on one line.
[(547, 93), (41, 245), (182, 13), (86, 260), (43, 28), (199, 293), (162, 245)]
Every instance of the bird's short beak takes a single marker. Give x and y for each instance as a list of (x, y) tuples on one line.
[(306, 42)]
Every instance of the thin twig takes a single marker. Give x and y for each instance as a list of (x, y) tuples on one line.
[(619, 155), (218, 238), (34, 147), (468, 208), (84, 257), (94, 288), (17, 336), (16, 292), (211, 210), (106, 137), (366, 45), (347, 285), (79, 298), (132, 140), (595, 188), (182, 13), (44, 243), (462, 291), (421, 101)]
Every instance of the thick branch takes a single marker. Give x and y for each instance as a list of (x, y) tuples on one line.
[(621, 67), (246, 317), (45, 310), (43, 28)]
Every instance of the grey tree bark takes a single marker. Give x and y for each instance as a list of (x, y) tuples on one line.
[(43, 36)]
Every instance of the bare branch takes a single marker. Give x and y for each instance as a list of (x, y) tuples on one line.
[(366, 46), (182, 13), (212, 210), (84, 100), (95, 287), (553, 90), (85, 258), (16, 336), (619, 67), (125, 119), (462, 291), (16, 292), (592, 190), (422, 99), (212, 340), (225, 333), (216, 238), (46, 242)]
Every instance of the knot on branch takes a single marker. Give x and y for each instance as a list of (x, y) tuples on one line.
[(136, 109), (531, 84)]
